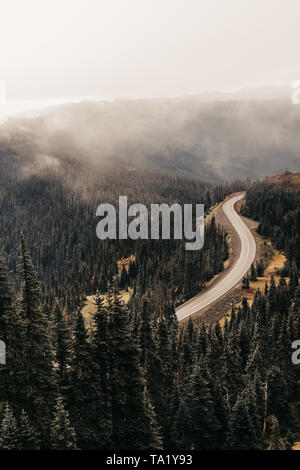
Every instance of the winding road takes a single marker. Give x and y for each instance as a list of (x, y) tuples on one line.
[(236, 272)]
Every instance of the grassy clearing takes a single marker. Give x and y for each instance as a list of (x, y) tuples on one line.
[(277, 262), (89, 307)]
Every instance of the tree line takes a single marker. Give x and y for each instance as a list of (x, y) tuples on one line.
[(136, 380), (277, 210)]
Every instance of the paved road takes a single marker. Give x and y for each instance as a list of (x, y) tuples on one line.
[(234, 274)]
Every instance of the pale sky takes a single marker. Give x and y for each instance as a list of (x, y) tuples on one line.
[(68, 49)]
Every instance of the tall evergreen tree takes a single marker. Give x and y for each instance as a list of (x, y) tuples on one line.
[(80, 404), (276, 443), (278, 398), (253, 274), (63, 435), (181, 433), (241, 435), (38, 387), (150, 361), (101, 381), (204, 422), (28, 435), (134, 420), (11, 332), (62, 336), (9, 431), (221, 412), (167, 343)]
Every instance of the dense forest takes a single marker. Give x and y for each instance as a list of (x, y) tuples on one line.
[(276, 207), (65, 385), (213, 387), (56, 211)]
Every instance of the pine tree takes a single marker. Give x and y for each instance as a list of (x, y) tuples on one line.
[(208, 200), (261, 389), (296, 300), (38, 380), (80, 404), (241, 435), (62, 344), (28, 435), (189, 347), (278, 398), (134, 420), (253, 274), (231, 361), (272, 297), (294, 281), (150, 362), (260, 268), (251, 398), (245, 306), (199, 401), (214, 350), (266, 288), (9, 431), (276, 443), (256, 361), (181, 433), (283, 298), (6, 301), (245, 282), (167, 349), (63, 435), (101, 384), (11, 332), (222, 414)]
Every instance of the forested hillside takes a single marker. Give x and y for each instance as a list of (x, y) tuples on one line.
[(55, 208), (275, 202), (229, 386), (182, 136), (214, 387)]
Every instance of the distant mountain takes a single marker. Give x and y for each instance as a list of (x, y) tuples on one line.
[(184, 136)]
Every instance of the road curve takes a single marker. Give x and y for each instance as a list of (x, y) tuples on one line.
[(236, 271)]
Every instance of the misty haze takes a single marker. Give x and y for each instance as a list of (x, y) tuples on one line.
[(184, 136)]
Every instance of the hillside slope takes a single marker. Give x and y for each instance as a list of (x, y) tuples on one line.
[(208, 141), (274, 202)]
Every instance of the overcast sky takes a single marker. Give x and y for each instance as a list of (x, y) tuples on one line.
[(63, 49)]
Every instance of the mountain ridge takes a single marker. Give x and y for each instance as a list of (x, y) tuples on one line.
[(211, 141)]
